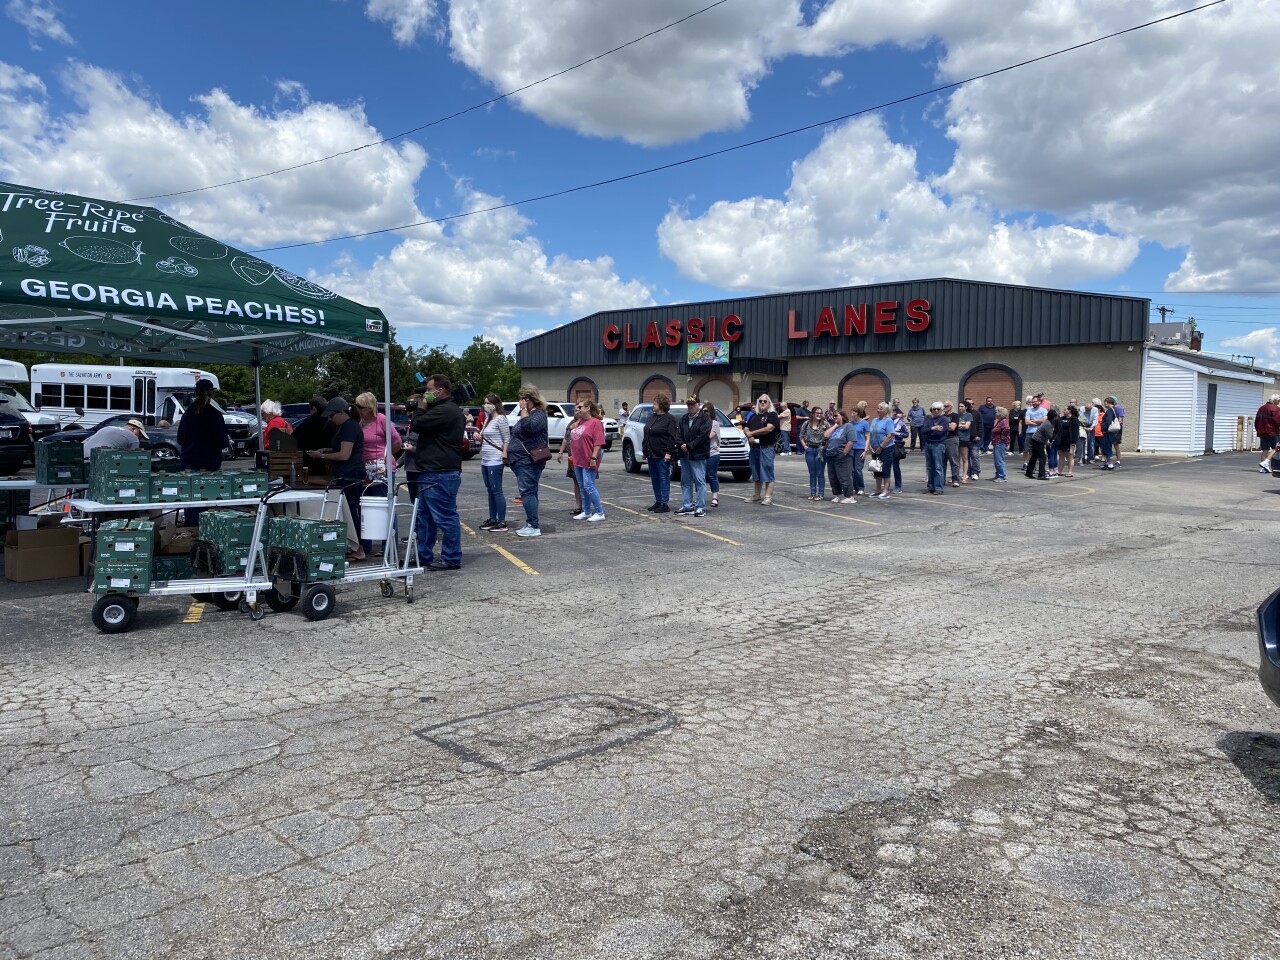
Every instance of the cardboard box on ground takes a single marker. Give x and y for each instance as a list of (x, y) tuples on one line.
[(46, 553)]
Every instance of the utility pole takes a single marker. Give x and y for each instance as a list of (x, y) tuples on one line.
[(1164, 311)]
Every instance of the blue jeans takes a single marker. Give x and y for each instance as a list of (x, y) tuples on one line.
[(693, 483), (1053, 456), (975, 467), (527, 477), (1092, 445), (897, 453), (997, 455), (817, 478), (762, 464), (437, 510), (786, 442), (378, 490), (935, 459), (660, 479), (855, 464), (713, 474), (591, 504), (492, 474), (1105, 443), (986, 436)]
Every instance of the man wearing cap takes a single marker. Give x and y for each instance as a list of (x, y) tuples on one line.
[(346, 457), (934, 432), (202, 431), (117, 438)]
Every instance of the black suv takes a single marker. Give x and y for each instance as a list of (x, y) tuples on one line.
[(15, 439)]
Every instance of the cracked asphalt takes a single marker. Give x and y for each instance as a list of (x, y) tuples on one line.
[(1017, 720)]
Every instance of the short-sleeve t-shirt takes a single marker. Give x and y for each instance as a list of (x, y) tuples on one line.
[(882, 432), (583, 438), (839, 437), (353, 467), (860, 431), (964, 429), (1035, 417), (758, 420)]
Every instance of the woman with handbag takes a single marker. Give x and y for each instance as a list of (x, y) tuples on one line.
[(495, 437), (528, 454)]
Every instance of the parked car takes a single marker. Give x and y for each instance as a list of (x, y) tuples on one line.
[(15, 439), (1269, 646), (41, 424), (162, 442), (735, 457), (557, 422), (610, 425)]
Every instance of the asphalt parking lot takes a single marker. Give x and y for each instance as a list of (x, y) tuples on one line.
[(1016, 720)]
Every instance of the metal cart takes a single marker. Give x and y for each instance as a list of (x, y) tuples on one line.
[(114, 611)]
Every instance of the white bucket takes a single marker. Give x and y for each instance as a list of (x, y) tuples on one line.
[(375, 518)]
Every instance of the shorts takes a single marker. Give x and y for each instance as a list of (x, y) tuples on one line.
[(1268, 443)]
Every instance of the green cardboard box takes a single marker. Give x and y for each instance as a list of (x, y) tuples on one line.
[(109, 462), (170, 487), (120, 489)]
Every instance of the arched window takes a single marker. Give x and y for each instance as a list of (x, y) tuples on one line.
[(863, 384), (583, 388), (719, 389), (655, 385), (1002, 384)]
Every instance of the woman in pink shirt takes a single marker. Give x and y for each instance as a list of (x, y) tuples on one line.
[(377, 464), (586, 440)]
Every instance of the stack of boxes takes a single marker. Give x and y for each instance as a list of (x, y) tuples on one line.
[(306, 550), (229, 534), (119, 476), (124, 556), (60, 463)]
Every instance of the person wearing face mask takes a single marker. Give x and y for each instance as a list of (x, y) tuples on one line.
[(762, 433), (495, 437)]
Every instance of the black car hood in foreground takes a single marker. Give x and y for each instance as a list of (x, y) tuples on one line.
[(1269, 646)]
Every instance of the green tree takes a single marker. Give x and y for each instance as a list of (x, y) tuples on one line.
[(506, 383), (435, 360), (480, 365)]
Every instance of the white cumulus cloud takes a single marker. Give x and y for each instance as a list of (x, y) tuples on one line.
[(97, 151), (830, 79), (485, 272), (408, 18), (857, 212), (40, 17), (1263, 344)]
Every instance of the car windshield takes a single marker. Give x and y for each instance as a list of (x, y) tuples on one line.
[(11, 397)]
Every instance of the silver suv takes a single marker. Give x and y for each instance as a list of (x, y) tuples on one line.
[(734, 452)]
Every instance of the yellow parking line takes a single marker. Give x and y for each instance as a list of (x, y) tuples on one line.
[(1067, 496), (194, 612), (468, 529), (514, 559)]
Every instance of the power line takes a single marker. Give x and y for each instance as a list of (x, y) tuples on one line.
[(436, 122), (750, 143)]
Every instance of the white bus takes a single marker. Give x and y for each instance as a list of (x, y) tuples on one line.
[(156, 395)]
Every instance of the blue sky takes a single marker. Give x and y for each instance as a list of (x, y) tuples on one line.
[(1114, 169)]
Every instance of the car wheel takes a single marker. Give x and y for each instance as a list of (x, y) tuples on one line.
[(741, 475), (629, 458)]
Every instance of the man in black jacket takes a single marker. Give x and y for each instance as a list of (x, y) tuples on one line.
[(437, 456), (695, 447)]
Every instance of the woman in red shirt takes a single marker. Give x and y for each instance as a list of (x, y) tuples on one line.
[(271, 414)]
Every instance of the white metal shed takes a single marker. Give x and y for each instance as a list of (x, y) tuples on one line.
[(1191, 403)]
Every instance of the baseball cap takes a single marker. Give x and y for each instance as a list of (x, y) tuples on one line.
[(205, 386), (336, 405), (140, 427)]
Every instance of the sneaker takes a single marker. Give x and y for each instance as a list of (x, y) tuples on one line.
[(848, 500), (767, 501), (580, 516), (999, 480), (527, 531), (654, 507), (698, 513), (955, 483), (837, 500), (684, 511), (595, 518), (663, 508), (487, 524), (1263, 468), (753, 499), (499, 527), (885, 496)]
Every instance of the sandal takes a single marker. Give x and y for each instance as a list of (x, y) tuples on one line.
[(715, 501)]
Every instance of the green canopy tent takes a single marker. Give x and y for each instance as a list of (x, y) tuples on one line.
[(87, 276)]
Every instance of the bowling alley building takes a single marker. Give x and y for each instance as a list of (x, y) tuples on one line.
[(928, 339)]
